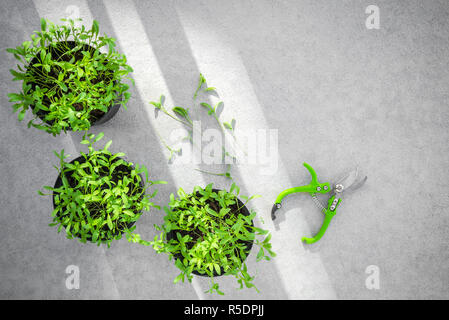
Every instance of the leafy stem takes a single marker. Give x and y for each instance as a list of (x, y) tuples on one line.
[(208, 232), (178, 110), (226, 174), (201, 81)]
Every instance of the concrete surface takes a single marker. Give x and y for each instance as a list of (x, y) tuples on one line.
[(337, 93)]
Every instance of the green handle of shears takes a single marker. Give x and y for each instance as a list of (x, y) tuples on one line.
[(285, 193), (329, 214), (323, 229), (312, 187)]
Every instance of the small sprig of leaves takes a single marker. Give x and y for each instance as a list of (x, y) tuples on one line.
[(183, 116), (207, 231), (226, 174), (212, 111), (178, 114), (215, 112), (101, 195), (66, 80), (202, 82)]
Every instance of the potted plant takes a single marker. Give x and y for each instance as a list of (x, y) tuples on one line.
[(210, 233), (99, 195), (67, 81)]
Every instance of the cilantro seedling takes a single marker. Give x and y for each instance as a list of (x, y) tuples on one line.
[(100, 195), (210, 232), (67, 81)]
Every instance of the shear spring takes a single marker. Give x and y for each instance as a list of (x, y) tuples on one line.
[(318, 203)]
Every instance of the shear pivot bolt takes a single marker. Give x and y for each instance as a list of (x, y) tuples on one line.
[(318, 188), (278, 205), (325, 187)]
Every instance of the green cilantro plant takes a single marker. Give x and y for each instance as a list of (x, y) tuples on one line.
[(210, 232), (71, 76), (98, 196)]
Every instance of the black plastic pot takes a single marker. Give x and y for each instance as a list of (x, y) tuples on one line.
[(249, 244), (113, 109), (81, 159)]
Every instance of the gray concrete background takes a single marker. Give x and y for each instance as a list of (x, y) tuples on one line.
[(338, 94)]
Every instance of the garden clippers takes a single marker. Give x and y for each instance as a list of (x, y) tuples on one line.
[(350, 181)]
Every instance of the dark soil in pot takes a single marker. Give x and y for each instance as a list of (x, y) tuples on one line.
[(121, 170), (214, 205), (58, 53)]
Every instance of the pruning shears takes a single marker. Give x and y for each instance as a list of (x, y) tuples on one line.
[(350, 181)]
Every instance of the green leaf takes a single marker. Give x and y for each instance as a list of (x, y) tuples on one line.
[(128, 213), (179, 277), (252, 197), (13, 97), (227, 125), (43, 24), (219, 107), (17, 75), (62, 86), (181, 111), (21, 115), (159, 182), (212, 212), (107, 145), (206, 105), (109, 221), (95, 27), (157, 105), (201, 81), (145, 170), (81, 96), (267, 239), (117, 155), (99, 136), (26, 44), (260, 231), (217, 268), (260, 254)]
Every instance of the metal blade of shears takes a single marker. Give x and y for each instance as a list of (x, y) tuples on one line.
[(350, 181)]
